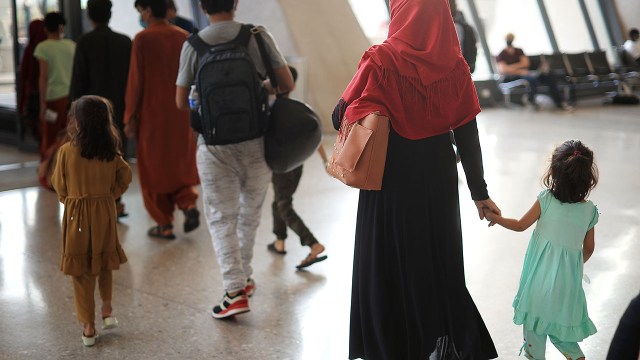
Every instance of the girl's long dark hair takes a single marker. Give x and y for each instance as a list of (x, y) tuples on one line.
[(572, 172), (91, 128)]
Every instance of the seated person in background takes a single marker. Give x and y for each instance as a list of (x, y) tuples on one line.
[(632, 46), (513, 64)]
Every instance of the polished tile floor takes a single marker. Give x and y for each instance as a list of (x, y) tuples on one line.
[(163, 295)]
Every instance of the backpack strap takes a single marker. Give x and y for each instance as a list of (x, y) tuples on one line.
[(199, 45), (244, 35), (266, 60)]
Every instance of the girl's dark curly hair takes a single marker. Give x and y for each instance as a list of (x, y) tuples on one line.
[(91, 128), (572, 172)]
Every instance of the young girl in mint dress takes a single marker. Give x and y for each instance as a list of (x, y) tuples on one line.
[(550, 300)]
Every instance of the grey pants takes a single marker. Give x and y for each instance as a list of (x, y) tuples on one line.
[(234, 180)]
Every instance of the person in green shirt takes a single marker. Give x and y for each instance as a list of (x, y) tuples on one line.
[(55, 57)]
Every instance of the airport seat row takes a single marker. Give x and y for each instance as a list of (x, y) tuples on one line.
[(578, 75)]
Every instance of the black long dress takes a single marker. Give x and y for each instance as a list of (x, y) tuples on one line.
[(409, 298)]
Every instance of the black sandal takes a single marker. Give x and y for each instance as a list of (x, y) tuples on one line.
[(191, 219), (158, 232), (272, 247), (309, 260)]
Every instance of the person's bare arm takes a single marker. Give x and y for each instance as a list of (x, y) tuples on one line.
[(284, 78), (516, 225), (523, 64), (182, 97), (504, 68), (589, 244), (519, 68)]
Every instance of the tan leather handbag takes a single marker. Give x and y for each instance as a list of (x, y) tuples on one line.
[(360, 153)]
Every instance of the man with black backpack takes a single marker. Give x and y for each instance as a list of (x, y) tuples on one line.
[(224, 64)]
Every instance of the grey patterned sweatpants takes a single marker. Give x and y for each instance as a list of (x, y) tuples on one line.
[(234, 180)]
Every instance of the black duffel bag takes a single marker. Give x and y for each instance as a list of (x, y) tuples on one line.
[(294, 133)]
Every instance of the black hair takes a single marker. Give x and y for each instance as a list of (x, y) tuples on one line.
[(99, 11), (217, 6), (171, 5), (91, 128), (53, 20), (572, 172), (634, 32), (158, 7)]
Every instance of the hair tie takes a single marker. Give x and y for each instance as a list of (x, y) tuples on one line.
[(577, 153)]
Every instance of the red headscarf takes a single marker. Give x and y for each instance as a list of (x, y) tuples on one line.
[(417, 77), (29, 66)]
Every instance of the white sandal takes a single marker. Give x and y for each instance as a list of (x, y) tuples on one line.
[(109, 322), (89, 341)]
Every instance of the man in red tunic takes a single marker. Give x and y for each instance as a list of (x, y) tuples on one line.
[(165, 144)]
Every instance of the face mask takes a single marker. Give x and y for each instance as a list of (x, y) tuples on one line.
[(143, 23), (509, 42)]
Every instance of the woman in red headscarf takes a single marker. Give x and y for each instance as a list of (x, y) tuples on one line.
[(28, 99), (409, 298)]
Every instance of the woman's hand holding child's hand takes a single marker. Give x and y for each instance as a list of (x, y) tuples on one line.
[(485, 206), (490, 216)]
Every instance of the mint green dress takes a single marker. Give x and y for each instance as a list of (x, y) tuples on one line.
[(550, 298)]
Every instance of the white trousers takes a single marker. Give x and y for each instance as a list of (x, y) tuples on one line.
[(234, 181)]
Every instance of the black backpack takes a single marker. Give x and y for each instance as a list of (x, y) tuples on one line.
[(469, 47), (234, 104)]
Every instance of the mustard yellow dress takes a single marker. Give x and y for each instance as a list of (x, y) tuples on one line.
[(88, 189)]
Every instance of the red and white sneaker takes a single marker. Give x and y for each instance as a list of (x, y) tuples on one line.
[(230, 306), (250, 288)]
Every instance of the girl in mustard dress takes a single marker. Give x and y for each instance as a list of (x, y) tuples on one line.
[(550, 300), (89, 175)]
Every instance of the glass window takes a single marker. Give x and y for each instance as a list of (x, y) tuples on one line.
[(600, 28), (572, 35), (500, 17)]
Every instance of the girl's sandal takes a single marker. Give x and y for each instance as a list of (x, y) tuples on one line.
[(109, 322), (89, 340)]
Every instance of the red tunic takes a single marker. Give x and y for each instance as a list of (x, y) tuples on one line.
[(165, 142)]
